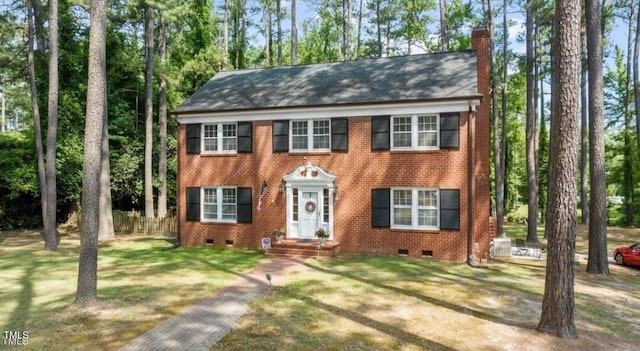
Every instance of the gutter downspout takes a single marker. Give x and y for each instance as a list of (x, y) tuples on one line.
[(470, 184)]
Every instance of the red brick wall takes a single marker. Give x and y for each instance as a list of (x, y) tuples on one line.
[(358, 171)]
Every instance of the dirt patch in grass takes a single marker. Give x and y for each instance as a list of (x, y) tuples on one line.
[(388, 303)]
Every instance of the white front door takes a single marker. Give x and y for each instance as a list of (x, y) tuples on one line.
[(309, 210)]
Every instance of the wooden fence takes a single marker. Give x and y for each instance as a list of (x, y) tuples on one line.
[(132, 223)]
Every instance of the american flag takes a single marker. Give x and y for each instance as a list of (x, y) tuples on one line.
[(263, 192)]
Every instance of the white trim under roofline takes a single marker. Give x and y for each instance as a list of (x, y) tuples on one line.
[(329, 111)]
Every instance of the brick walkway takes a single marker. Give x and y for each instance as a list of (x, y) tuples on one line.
[(200, 326)]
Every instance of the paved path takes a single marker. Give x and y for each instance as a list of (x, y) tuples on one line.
[(200, 326)]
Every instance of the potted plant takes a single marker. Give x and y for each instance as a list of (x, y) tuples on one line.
[(279, 234), (322, 235)]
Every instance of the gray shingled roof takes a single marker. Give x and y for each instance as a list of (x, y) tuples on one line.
[(393, 79)]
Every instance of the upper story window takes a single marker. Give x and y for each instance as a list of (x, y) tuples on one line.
[(415, 132), (311, 135), (220, 138), (414, 208), (219, 204)]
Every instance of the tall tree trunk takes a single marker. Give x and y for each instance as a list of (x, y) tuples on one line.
[(39, 25), (497, 149), (543, 160), (36, 116), (148, 112), (628, 182), (162, 121), (536, 94), (294, 33), (505, 80), (359, 38), (243, 36), (388, 39), (51, 231), (636, 76), (598, 262), (444, 36), (584, 138), (379, 28), (105, 216), (532, 172), (225, 40), (279, 29), (347, 30), (268, 35), (4, 104), (558, 314), (86, 293), (542, 153)]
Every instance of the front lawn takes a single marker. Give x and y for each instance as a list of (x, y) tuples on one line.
[(351, 302), (358, 302), (141, 282)]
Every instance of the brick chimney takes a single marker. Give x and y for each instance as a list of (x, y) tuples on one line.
[(480, 43)]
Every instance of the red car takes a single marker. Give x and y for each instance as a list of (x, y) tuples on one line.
[(628, 255)]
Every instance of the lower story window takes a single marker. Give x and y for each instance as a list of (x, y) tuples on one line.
[(219, 204), (414, 208)]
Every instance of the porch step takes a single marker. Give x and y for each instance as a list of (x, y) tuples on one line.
[(294, 248)]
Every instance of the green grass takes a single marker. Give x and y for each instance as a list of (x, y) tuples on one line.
[(616, 236), (351, 302), (358, 302), (140, 283)]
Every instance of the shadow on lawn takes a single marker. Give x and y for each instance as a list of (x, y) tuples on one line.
[(20, 315), (158, 258), (371, 323), (431, 300), (433, 272)]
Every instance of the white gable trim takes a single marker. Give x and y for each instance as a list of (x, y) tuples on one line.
[(329, 112), (310, 175)]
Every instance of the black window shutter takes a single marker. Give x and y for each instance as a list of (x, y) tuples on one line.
[(380, 208), (450, 130), (245, 207), (193, 138), (380, 132), (339, 134), (280, 136), (450, 209), (193, 204), (245, 140)]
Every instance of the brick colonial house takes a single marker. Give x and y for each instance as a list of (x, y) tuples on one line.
[(390, 155)]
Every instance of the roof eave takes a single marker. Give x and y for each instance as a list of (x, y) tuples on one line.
[(177, 113)]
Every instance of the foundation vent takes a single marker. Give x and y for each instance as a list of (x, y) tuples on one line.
[(403, 252)]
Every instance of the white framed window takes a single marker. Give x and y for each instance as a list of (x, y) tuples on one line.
[(299, 135), (415, 132), (220, 138), (416, 208), (219, 204), (310, 135)]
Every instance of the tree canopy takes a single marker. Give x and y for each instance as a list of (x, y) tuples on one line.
[(328, 30)]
